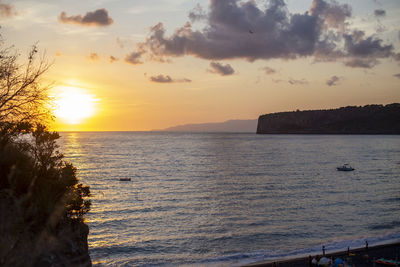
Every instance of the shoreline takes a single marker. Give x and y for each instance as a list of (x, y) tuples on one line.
[(387, 251)]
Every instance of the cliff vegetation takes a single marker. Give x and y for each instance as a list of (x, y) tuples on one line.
[(369, 119), (42, 203)]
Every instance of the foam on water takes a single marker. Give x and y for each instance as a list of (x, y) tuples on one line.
[(271, 255), (230, 199)]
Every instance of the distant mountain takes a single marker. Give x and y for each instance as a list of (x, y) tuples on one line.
[(370, 119), (239, 126)]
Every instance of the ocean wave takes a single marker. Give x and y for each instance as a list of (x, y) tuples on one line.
[(240, 259)]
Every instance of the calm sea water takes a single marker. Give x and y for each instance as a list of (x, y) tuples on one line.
[(222, 199)]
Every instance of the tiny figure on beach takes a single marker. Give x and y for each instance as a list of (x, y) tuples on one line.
[(366, 256), (323, 250)]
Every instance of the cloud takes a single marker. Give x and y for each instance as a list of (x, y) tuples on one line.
[(397, 75), (134, 58), (197, 14), (319, 33), (364, 52), (221, 69), (167, 79), (334, 80), (161, 79), (331, 13), (357, 45), (93, 57), (297, 82), (96, 18), (366, 63), (379, 13), (269, 70), (7, 10), (112, 59)]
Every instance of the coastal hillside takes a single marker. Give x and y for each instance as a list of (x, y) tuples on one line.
[(369, 119), (238, 126)]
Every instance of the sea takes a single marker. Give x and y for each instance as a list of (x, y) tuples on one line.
[(229, 199)]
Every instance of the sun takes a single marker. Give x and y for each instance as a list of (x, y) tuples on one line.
[(73, 105)]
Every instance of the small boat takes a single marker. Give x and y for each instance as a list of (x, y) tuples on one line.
[(125, 179), (345, 168)]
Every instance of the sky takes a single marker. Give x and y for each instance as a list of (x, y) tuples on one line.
[(130, 65)]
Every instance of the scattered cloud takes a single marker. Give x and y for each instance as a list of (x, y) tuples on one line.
[(334, 80), (331, 13), (112, 59), (297, 82), (379, 13), (366, 63), (99, 17), (365, 51), (93, 57), (397, 75), (167, 79), (380, 28), (269, 70), (7, 10), (221, 69), (127, 42), (197, 14), (161, 79), (321, 33), (134, 58)]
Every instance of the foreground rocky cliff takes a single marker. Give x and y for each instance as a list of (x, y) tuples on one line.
[(370, 119), (64, 245), (42, 203)]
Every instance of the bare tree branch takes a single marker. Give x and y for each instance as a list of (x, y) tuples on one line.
[(23, 97)]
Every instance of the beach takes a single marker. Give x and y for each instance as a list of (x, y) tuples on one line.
[(358, 257)]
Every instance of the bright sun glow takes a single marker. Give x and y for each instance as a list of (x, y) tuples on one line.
[(73, 105)]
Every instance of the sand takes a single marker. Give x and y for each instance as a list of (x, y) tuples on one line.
[(360, 259)]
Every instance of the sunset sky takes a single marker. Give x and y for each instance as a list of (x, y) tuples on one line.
[(143, 65)]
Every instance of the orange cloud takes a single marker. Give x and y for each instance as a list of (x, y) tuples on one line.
[(99, 17)]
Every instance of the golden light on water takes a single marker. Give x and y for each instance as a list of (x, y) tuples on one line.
[(73, 104)]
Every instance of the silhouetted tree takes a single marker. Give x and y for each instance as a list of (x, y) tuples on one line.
[(23, 97), (42, 203)]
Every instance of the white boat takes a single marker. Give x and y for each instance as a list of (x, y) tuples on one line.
[(345, 168)]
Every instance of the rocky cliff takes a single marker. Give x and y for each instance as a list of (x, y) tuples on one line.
[(65, 245), (370, 119), (42, 203)]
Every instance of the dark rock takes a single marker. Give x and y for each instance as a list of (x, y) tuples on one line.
[(67, 245), (70, 247)]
